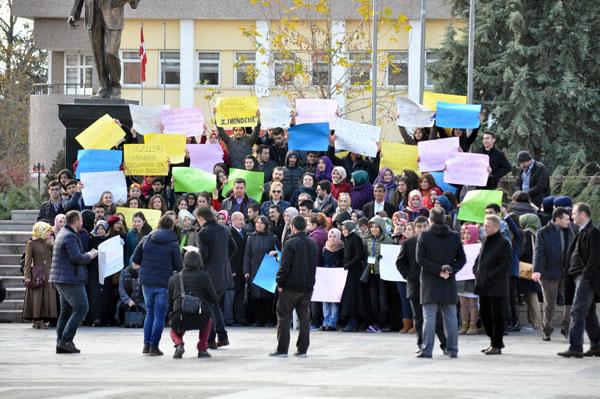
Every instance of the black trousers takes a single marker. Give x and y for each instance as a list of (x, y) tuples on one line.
[(288, 301), (417, 311), (491, 311)]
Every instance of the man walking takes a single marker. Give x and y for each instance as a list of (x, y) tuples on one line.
[(549, 264), (69, 275), (295, 282), (440, 255), (584, 261)]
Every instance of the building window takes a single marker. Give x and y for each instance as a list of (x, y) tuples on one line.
[(431, 57), (360, 67), (397, 70), (209, 65), (169, 67), (130, 70), (245, 68), (321, 73), (78, 73), (283, 69)]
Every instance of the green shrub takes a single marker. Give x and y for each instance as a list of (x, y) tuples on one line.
[(24, 197)]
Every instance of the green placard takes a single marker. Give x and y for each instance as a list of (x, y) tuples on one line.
[(192, 180), (254, 182), (472, 208)]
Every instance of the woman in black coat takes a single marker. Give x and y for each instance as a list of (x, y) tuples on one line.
[(354, 255), (196, 282), (259, 244)]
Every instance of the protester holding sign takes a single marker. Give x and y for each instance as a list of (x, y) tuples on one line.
[(499, 165), (239, 145)]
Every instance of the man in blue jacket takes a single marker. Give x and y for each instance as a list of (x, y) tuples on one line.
[(69, 275)]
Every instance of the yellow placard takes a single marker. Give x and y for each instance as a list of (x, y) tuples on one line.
[(174, 145), (145, 160), (430, 99), (152, 215), (398, 157), (103, 134), (236, 111)]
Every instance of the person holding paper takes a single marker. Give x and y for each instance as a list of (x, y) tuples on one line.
[(491, 276), (499, 165), (353, 161), (420, 134), (467, 299), (68, 273), (278, 148), (99, 295), (239, 145), (292, 173), (332, 256)]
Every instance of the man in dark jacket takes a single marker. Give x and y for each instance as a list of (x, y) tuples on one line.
[(411, 271), (237, 267), (238, 201), (158, 256), (379, 203), (239, 145), (325, 202), (440, 255), (295, 282), (73, 201), (584, 268), (217, 247), (533, 178), (499, 165), (69, 275), (549, 261), (491, 270), (278, 149), (292, 173), (53, 206), (265, 163)]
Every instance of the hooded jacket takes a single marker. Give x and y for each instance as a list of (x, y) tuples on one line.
[(159, 256), (291, 175), (372, 245)]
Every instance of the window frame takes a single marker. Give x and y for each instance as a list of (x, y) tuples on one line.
[(235, 68), (315, 62), (387, 78), (130, 61), (427, 62), (160, 71), (200, 62), (353, 64), (79, 67), (274, 83)]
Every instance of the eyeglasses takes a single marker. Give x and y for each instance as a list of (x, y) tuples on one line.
[(276, 191)]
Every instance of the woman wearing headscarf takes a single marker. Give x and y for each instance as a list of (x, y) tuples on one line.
[(530, 224), (288, 215), (223, 217), (352, 301), (415, 207), (59, 222), (186, 224), (324, 168), (340, 182), (386, 177), (467, 299), (40, 295), (333, 256), (362, 191)]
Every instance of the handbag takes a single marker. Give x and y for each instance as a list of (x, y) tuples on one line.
[(38, 277), (134, 317), (526, 268), (190, 304)]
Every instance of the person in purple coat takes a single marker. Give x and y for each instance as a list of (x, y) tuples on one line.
[(362, 191)]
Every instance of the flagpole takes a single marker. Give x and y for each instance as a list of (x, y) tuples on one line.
[(141, 67), (164, 57)]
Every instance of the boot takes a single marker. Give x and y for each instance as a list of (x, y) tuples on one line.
[(412, 330), (406, 325), (464, 326), (473, 316), (472, 329)]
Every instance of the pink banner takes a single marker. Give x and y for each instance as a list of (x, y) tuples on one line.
[(433, 153), (313, 110), (205, 156), (182, 120), (467, 169), (329, 284), (466, 273)]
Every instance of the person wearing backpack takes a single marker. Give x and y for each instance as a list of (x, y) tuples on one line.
[(196, 283)]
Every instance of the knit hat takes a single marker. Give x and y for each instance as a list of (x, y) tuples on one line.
[(548, 204), (564, 201), (102, 223), (112, 220), (523, 156)]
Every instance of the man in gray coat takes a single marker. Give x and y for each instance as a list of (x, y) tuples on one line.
[(440, 255)]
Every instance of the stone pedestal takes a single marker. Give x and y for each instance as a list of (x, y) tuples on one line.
[(76, 117)]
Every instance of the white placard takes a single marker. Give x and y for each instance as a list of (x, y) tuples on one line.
[(412, 114), (387, 264), (110, 258), (146, 119), (329, 284), (95, 183), (357, 137), (466, 273), (274, 111)]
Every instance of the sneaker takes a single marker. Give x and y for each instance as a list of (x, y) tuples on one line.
[(278, 354), (300, 354), (66, 347), (179, 351), (154, 351), (204, 354), (372, 329)]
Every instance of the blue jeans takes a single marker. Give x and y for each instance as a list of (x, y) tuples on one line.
[(583, 316), (73, 308), (155, 299), (404, 301), (331, 314), (430, 311)]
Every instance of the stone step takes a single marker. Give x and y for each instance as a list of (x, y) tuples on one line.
[(11, 316), (15, 293), (9, 225), (14, 237), (10, 259), (12, 304), (12, 281), (12, 249), (24, 215), (9, 270)]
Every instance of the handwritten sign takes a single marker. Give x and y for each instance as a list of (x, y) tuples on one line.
[(309, 137), (174, 145), (467, 168), (329, 284), (311, 110), (236, 111), (398, 157), (95, 183), (254, 182), (463, 116), (110, 258), (98, 161), (205, 156), (189, 121), (145, 160), (274, 111), (357, 137), (472, 207), (466, 273), (430, 99), (146, 119), (103, 134), (387, 264), (433, 153), (412, 114), (152, 215), (192, 180)]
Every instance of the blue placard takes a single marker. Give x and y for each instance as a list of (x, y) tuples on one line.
[(309, 137), (267, 271), (439, 180), (98, 161), (462, 116)]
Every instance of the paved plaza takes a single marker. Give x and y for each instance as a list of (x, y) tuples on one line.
[(339, 365)]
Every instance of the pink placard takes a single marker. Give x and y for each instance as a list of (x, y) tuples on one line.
[(314, 110), (467, 168), (329, 284), (182, 120), (466, 273), (204, 156), (433, 153)]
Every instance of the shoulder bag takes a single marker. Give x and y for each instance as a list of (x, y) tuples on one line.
[(526, 268), (190, 304)]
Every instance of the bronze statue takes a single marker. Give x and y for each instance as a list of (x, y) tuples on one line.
[(104, 21)]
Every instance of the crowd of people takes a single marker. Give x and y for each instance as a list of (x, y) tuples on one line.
[(318, 210)]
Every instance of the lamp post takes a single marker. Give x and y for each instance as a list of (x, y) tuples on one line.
[(38, 170)]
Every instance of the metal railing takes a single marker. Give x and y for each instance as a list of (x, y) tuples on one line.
[(60, 88)]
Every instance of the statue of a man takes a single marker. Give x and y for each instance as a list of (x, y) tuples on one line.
[(104, 21)]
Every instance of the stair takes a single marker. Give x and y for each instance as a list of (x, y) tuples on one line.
[(14, 234)]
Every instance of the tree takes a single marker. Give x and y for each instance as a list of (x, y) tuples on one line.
[(21, 65), (535, 71)]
